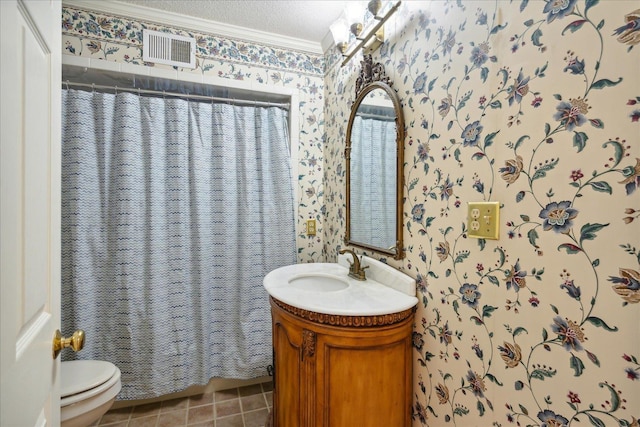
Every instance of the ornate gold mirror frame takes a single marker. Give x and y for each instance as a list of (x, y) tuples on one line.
[(372, 77)]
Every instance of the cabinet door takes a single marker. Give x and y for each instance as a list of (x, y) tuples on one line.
[(364, 381), (340, 376)]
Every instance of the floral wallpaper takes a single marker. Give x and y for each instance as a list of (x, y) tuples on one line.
[(531, 103), (119, 39), (536, 105)]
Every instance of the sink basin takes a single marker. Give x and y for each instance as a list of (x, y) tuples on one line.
[(318, 282)]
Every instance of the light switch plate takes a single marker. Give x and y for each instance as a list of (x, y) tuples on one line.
[(483, 220)]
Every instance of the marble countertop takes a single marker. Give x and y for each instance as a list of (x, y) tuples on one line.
[(360, 298)]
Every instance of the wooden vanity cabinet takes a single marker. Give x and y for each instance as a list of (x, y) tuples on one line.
[(341, 371)]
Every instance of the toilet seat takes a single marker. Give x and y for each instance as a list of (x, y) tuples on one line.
[(88, 388), (82, 379)]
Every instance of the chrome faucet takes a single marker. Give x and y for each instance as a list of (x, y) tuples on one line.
[(355, 270)]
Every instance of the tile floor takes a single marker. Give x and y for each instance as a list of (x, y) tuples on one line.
[(237, 407)]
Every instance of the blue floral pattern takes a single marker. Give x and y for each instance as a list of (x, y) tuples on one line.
[(124, 34), (532, 104), (558, 216)]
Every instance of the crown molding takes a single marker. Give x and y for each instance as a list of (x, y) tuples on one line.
[(195, 24), (327, 42)]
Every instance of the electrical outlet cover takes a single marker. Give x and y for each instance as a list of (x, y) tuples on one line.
[(311, 227), (483, 221)]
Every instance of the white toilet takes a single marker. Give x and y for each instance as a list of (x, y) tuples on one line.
[(87, 390)]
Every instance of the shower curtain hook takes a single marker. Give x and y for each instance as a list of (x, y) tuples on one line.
[(93, 87), (67, 82), (163, 94), (116, 88)]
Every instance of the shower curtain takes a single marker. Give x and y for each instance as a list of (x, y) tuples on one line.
[(373, 195), (172, 213)]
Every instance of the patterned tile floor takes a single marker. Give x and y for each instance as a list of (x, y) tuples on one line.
[(237, 407)]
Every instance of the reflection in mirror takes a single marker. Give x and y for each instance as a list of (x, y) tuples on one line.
[(373, 148), (374, 156)]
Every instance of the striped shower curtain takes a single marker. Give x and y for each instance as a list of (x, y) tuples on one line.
[(373, 195), (172, 213)]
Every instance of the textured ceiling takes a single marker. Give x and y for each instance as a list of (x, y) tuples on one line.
[(301, 19)]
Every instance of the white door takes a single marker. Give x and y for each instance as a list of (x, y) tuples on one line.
[(29, 211)]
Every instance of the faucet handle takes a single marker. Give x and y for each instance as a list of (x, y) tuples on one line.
[(360, 275)]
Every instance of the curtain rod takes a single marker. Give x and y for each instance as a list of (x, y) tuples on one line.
[(286, 105)]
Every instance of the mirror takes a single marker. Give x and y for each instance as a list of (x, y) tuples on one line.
[(374, 158)]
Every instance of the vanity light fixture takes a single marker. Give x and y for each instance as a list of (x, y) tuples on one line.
[(368, 37), (340, 32)]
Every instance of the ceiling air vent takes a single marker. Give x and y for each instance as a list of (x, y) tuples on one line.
[(170, 49)]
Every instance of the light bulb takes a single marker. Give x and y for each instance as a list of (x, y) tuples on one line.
[(340, 32)]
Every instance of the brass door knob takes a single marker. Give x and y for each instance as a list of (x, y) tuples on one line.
[(75, 341)]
